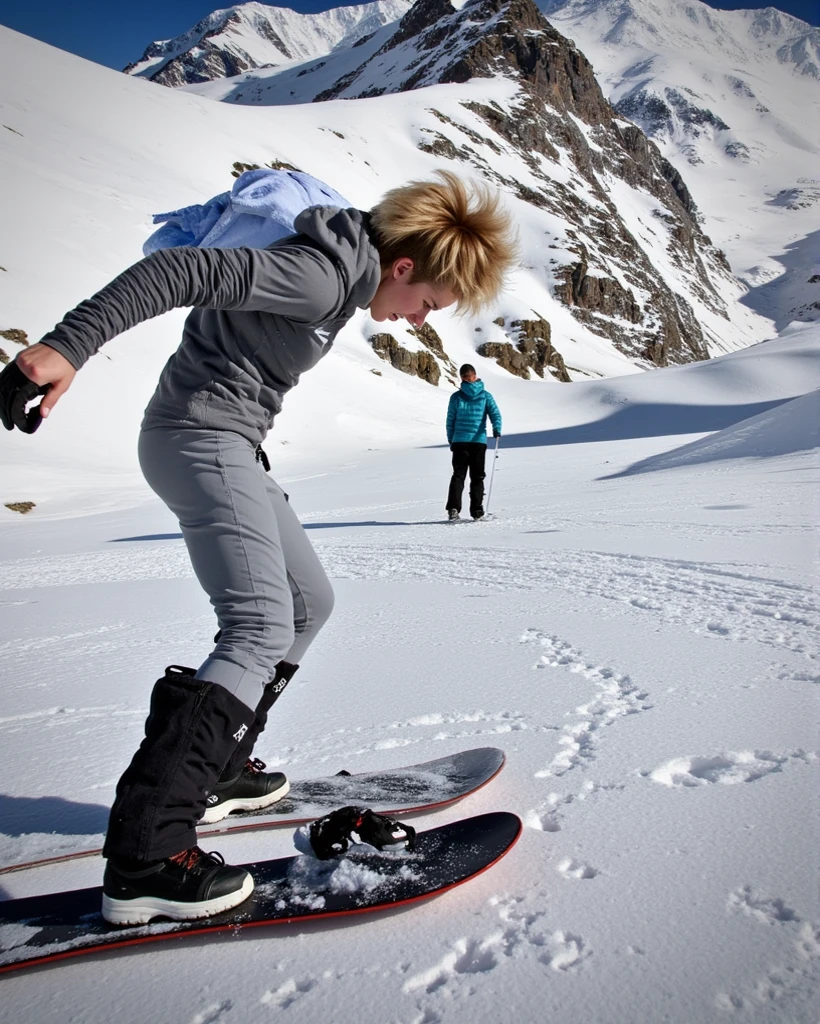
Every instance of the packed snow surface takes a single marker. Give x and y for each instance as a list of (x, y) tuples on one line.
[(642, 644)]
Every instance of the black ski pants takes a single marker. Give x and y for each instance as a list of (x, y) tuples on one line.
[(467, 455)]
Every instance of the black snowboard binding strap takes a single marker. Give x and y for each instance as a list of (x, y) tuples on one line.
[(332, 835)]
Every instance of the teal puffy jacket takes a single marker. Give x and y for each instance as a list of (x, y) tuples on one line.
[(468, 411)]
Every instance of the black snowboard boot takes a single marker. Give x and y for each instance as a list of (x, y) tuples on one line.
[(244, 785), (192, 729), (190, 885), (251, 790)]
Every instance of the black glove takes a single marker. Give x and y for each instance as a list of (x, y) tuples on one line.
[(16, 391), (496, 433)]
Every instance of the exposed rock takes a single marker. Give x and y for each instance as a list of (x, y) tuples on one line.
[(4, 357), (20, 506), (275, 165), (439, 145), (602, 294), (659, 114), (530, 348), (207, 60), (417, 364), (427, 365), (430, 339), (16, 335)]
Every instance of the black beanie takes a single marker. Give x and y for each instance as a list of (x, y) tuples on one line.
[(466, 368)]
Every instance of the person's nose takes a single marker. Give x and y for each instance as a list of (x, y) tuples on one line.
[(419, 318)]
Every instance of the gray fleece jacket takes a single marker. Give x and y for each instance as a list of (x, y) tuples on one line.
[(261, 317)]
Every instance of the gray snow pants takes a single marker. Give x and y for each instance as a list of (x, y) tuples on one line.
[(248, 549)]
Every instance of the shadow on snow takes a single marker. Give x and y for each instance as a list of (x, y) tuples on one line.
[(640, 419), (51, 814)]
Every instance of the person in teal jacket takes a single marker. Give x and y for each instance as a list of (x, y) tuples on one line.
[(467, 436)]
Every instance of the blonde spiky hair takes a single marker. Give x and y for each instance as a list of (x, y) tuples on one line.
[(458, 239)]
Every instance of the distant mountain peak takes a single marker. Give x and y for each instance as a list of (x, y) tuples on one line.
[(252, 35)]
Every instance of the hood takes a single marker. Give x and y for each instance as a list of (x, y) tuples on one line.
[(472, 389), (344, 234)]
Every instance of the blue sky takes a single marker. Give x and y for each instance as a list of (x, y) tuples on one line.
[(116, 32)]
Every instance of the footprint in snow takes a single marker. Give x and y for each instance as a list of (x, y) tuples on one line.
[(727, 768), (767, 909), (570, 868), (615, 696)]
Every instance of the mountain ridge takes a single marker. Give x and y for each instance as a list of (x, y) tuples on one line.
[(250, 35)]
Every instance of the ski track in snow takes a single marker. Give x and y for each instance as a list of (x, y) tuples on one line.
[(718, 600)]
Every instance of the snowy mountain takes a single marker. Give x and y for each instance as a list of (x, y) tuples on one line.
[(254, 35), (625, 249), (733, 100)]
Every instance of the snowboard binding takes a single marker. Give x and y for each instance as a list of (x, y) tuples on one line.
[(332, 835)]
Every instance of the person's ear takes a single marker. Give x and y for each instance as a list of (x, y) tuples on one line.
[(402, 267)]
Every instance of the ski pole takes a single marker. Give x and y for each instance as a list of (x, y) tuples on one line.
[(492, 477)]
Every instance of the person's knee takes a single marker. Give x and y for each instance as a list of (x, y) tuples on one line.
[(260, 641)]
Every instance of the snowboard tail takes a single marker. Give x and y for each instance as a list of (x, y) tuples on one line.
[(47, 929), (414, 789)]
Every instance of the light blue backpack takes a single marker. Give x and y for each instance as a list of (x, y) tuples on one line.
[(260, 209)]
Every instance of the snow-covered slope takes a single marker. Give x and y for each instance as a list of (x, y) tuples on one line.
[(642, 646), (786, 429), (733, 100), (253, 35)]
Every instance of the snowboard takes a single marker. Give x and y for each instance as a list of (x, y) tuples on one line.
[(410, 790), (50, 928)]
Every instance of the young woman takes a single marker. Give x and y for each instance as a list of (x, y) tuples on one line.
[(260, 318)]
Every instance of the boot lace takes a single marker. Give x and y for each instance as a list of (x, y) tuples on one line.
[(190, 860)]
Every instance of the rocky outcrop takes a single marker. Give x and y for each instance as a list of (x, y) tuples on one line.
[(663, 114), (601, 294), (531, 348), (275, 165), (418, 364), (20, 506), (432, 342), (16, 335), (426, 363)]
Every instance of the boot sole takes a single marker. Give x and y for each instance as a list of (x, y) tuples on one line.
[(146, 908), (256, 803)]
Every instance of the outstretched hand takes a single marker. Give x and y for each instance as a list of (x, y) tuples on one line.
[(40, 370)]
